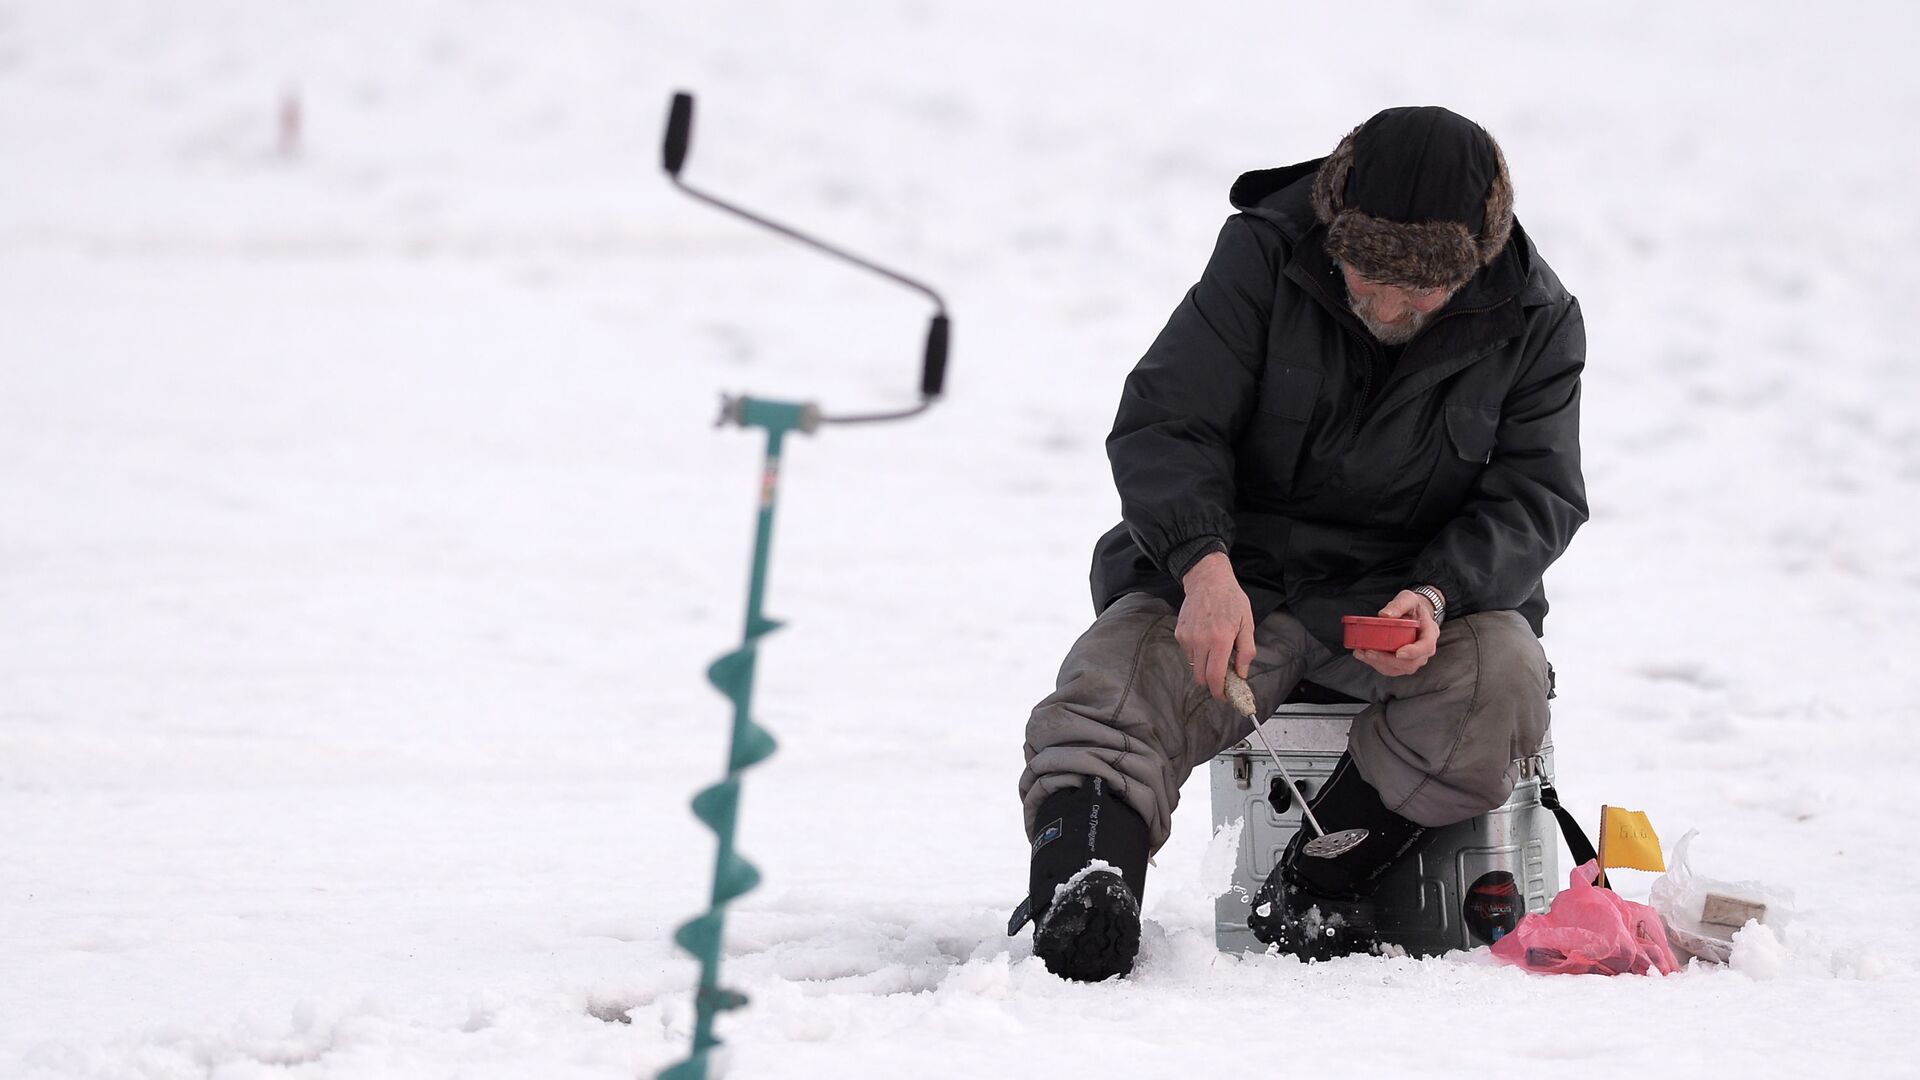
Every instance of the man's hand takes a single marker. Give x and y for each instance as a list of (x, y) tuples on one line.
[(1408, 658), (1216, 623)]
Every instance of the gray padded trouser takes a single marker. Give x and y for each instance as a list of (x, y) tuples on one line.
[(1439, 744)]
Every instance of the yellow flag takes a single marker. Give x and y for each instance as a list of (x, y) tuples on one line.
[(1627, 840)]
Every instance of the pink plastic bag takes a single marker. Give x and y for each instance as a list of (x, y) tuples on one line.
[(1589, 931)]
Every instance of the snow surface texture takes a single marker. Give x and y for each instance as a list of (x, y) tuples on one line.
[(365, 535)]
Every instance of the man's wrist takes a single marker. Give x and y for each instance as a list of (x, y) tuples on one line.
[(1182, 560), (1210, 564)]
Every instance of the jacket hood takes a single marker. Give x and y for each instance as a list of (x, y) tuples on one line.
[(1282, 196)]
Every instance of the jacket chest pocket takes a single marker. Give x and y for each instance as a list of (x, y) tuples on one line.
[(1278, 431), (1471, 432)]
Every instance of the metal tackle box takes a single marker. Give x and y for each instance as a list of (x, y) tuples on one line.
[(1465, 886)]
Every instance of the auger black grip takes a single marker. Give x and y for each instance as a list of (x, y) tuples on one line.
[(933, 375), (673, 153)]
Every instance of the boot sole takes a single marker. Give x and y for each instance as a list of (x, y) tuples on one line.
[(1091, 932)]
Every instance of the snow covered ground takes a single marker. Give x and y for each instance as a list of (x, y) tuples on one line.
[(364, 537)]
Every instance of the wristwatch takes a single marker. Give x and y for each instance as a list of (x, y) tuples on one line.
[(1438, 601)]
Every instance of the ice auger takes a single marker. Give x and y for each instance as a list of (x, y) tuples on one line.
[(719, 805)]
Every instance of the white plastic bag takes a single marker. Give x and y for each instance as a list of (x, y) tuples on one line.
[(1682, 898)]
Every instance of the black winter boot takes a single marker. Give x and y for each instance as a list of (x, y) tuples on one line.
[(1318, 908), (1088, 873), (1310, 927)]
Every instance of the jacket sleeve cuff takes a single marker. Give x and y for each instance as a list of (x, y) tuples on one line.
[(1183, 557)]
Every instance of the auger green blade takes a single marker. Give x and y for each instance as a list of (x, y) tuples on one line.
[(701, 936), (732, 674), (718, 805), (734, 877), (721, 999), (694, 1068), (752, 744)]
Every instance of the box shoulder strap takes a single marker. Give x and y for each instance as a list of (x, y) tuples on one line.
[(1577, 842)]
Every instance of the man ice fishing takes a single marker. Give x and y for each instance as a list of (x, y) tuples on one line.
[(1369, 404)]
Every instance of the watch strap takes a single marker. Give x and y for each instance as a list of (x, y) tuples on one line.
[(1434, 597)]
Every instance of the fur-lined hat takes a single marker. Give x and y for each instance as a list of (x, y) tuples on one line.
[(1418, 197)]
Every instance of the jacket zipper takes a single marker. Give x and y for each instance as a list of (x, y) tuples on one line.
[(1366, 339), (1366, 385), (1366, 394)]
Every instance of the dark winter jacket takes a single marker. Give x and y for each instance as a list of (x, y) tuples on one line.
[(1258, 418)]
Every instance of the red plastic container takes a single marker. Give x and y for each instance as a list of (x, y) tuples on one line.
[(1372, 632)]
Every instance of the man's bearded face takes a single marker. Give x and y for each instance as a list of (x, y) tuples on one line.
[(1393, 314)]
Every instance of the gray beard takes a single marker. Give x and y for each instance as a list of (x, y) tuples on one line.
[(1391, 333)]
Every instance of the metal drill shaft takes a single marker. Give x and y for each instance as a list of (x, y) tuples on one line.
[(1287, 776), (1240, 696), (1324, 845)]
